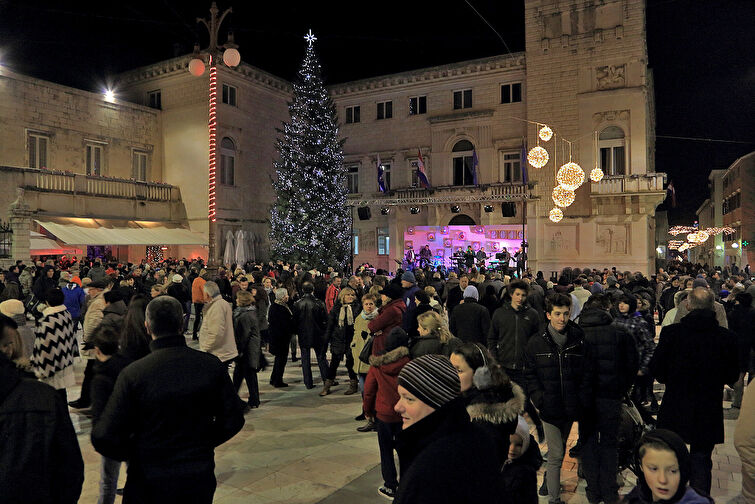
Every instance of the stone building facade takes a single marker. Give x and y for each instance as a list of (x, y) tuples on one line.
[(738, 209), (710, 214)]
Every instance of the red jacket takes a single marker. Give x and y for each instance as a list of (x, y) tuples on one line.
[(389, 316), (331, 295), (381, 385)]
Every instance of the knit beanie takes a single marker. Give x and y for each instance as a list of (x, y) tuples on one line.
[(471, 292), (396, 338), (408, 277), (432, 379)]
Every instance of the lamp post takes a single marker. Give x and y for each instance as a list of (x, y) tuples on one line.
[(231, 57)]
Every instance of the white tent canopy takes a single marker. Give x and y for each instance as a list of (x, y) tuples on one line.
[(102, 232), (39, 244)]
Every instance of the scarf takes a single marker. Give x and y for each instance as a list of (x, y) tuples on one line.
[(346, 314), (369, 316)]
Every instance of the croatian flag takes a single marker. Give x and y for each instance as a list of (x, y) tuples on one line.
[(475, 163), (421, 174), (523, 163), (381, 181)]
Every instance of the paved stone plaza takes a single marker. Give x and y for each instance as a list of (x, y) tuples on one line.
[(300, 448)]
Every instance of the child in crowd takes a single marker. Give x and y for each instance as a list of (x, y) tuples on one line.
[(664, 469), (519, 472)]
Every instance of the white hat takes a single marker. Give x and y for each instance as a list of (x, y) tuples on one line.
[(177, 279), (12, 307)]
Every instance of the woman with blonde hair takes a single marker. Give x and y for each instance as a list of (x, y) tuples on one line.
[(434, 337), (339, 334), (433, 295)]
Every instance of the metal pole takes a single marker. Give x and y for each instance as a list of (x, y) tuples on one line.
[(351, 241)]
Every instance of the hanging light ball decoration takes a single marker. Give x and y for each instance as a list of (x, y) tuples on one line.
[(596, 175), (556, 215), (196, 67), (562, 197), (545, 133), (538, 157), (570, 176)]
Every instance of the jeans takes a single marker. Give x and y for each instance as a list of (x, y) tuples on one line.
[(387, 433), (701, 465), (279, 365), (109, 470), (600, 457), (306, 365), (197, 317), (362, 379), (556, 436), (243, 371), (517, 376), (335, 361)]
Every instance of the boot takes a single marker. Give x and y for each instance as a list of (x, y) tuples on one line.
[(353, 387), (369, 426), (326, 388)]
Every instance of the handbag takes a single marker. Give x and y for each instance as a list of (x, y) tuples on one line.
[(366, 352)]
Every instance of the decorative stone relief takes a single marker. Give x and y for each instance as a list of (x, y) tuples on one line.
[(561, 241), (612, 239), (611, 76), (610, 115)]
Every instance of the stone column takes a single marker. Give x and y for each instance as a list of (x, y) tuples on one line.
[(19, 215)]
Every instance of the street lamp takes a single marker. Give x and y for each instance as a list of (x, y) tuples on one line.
[(231, 57)]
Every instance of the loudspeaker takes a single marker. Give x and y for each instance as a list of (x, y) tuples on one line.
[(364, 213), (508, 210)]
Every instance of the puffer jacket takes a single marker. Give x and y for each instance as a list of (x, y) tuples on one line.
[(554, 375), (510, 332), (381, 384)]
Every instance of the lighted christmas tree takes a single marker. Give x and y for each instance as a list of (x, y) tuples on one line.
[(309, 221)]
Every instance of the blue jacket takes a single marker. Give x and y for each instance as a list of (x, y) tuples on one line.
[(73, 298)]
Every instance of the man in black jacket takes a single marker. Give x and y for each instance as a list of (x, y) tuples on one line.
[(470, 321), (611, 363), (310, 321), (168, 412), (554, 363)]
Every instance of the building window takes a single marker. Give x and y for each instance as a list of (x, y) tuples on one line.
[(355, 238), (511, 93), (6, 239), (94, 158), (38, 150), (463, 99), (463, 171), (352, 179), (139, 166), (384, 241), (417, 105), (227, 161), (385, 110), (612, 153), (229, 95), (353, 114), (511, 167), (154, 99)]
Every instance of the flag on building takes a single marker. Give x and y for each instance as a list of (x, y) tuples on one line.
[(380, 173), (672, 192), (523, 163), (475, 163), (421, 173)]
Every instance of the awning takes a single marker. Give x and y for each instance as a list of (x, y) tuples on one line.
[(39, 244), (78, 231)]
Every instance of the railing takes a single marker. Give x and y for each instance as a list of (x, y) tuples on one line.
[(445, 194), (650, 182), (58, 182)]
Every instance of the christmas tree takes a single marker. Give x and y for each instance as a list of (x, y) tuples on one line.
[(310, 222)]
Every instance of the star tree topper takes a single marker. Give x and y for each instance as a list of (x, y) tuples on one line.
[(310, 38)]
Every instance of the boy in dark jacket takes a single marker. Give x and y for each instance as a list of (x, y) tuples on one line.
[(109, 365), (519, 472)]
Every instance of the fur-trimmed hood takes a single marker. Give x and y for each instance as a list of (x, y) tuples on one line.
[(389, 357), (499, 406)]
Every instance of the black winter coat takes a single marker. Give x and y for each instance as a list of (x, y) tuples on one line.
[(281, 328), (103, 382), (611, 357), (340, 337), (247, 332), (445, 459), (695, 358), (40, 456), (510, 331), (413, 331), (310, 321), (470, 322), (742, 323), (554, 375), (520, 475), (168, 412)]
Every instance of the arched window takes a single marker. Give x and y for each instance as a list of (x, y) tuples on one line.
[(461, 220), (227, 161), (612, 151), (463, 164)]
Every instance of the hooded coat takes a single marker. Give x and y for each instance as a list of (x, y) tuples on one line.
[(381, 384), (390, 315), (519, 475)]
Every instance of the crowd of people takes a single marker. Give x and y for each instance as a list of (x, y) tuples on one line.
[(452, 370)]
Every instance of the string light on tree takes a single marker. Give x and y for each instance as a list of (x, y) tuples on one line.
[(545, 133), (537, 157), (562, 197), (570, 176), (555, 215)]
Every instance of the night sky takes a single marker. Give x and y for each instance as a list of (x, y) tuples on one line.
[(701, 53)]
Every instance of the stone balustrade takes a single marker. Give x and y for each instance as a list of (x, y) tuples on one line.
[(443, 194), (649, 182)]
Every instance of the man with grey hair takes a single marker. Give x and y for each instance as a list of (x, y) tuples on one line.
[(168, 412), (216, 333), (695, 358), (684, 307)]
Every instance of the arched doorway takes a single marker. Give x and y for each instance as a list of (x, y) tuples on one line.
[(462, 220)]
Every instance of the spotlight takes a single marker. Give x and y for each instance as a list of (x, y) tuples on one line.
[(455, 209), (109, 96), (415, 210), (385, 210), (488, 208)]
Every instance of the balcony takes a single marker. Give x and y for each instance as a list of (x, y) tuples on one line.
[(628, 184), (484, 193)]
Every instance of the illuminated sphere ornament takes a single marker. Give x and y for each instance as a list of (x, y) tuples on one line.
[(570, 176), (545, 133), (702, 236), (196, 67), (596, 175), (556, 215), (562, 197), (231, 57), (538, 157)]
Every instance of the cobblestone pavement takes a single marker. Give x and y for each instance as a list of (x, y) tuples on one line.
[(302, 448)]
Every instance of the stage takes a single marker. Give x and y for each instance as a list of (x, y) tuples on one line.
[(444, 241)]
